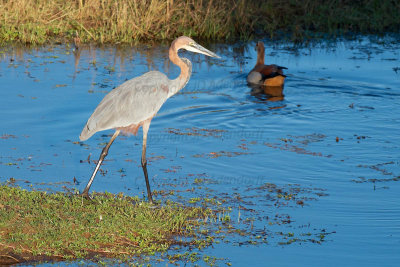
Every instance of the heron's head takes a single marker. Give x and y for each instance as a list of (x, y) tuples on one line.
[(189, 44)]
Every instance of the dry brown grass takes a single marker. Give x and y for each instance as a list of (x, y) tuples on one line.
[(128, 21)]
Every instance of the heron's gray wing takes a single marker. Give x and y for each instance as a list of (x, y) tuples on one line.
[(130, 103)]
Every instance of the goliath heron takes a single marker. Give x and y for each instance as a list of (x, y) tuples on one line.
[(135, 102)]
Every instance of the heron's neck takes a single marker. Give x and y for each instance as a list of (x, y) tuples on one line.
[(260, 57), (186, 70)]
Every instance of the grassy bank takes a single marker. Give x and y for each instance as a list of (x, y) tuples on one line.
[(129, 21), (35, 226), (112, 229)]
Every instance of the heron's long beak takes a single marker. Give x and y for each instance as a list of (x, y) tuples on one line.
[(196, 48)]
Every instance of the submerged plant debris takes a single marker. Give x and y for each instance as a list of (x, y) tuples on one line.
[(261, 215), (218, 154), (384, 173), (194, 131), (297, 144)]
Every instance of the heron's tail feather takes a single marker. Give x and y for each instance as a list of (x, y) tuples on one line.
[(86, 133)]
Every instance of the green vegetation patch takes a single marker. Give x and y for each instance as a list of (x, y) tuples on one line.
[(37, 226)]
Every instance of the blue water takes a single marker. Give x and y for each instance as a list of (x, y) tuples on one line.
[(336, 132)]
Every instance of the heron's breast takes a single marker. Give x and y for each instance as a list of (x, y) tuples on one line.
[(131, 129), (134, 127)]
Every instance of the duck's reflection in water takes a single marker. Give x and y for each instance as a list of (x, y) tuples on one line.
[(267, 93)]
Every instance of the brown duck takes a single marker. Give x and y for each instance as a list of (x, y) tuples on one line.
[(268, 75)]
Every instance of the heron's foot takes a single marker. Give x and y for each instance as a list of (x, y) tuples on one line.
[(85, 194), (154, 205), (150, 197)]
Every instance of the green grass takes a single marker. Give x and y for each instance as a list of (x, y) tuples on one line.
[(116, 229), (130, 21), (39, 226)]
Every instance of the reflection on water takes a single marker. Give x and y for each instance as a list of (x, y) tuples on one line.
[(268, 93), (331, 134), (77, 56)]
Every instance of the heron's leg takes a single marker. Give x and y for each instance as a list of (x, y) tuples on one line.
[(145, 128), (103, 154)]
